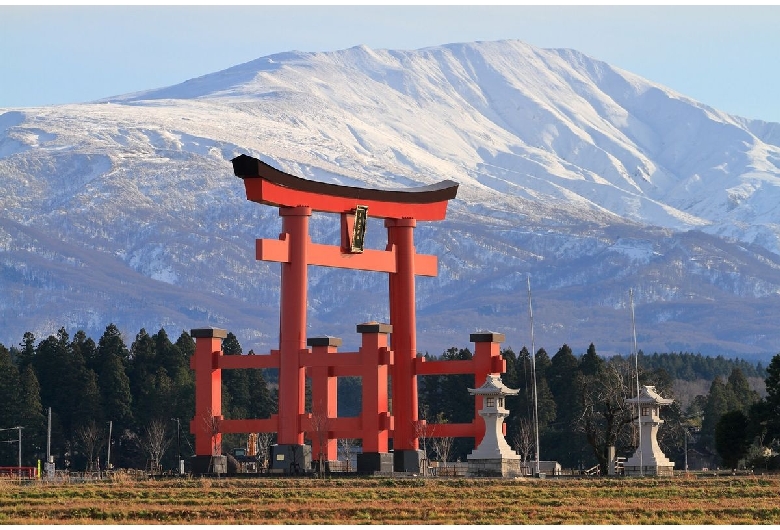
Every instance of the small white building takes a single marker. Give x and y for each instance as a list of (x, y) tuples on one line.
[(648, 459), (494, 457)]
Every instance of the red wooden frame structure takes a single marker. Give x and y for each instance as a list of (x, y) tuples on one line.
[(296, 198)]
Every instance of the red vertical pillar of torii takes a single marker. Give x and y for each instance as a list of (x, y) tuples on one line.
[(292, 324), (403, 318), (401, 209)]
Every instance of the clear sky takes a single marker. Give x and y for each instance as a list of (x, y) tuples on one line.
[(725, 56)]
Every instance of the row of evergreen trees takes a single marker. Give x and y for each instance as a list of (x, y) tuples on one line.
[(581, 400), (88, 384), (582, 411)]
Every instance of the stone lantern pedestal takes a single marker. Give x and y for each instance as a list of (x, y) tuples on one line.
[(493, 457)]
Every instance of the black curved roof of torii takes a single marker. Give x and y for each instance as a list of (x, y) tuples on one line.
[(245, 166)]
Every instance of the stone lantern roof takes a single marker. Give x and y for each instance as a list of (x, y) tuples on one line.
[(648, 395), (493, 386)]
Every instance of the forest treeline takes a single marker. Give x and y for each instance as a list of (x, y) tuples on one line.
[(146, 391)]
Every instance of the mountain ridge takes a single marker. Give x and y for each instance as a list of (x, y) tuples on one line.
[(588, 178)]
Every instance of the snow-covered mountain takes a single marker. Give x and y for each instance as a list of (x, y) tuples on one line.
[(587, 177)]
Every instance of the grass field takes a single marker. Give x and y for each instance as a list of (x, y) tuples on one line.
[(711, 500)]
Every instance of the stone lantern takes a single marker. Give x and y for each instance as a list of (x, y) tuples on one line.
[(493, 457), (648, 459)]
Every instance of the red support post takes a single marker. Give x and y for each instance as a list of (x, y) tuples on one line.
[(324, 396), (403, 319), (208, 389), (375, 358), (292, 325)]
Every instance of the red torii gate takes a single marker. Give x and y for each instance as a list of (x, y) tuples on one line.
[(296, 199)]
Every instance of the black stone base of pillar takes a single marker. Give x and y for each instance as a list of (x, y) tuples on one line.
[(407, 460), (200, 465), (369, 463), (290, 459), (206, 465)]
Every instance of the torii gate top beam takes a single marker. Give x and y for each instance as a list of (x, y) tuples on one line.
[(267, 185)]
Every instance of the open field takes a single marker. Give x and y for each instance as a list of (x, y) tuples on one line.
[(710, 500)]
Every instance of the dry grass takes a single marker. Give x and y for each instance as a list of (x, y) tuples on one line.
[(723, 500)]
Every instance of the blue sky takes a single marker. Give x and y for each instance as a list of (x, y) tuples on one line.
[(725, 56)]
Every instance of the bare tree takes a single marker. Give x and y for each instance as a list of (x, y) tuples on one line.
[(210, 424), (91, 439), (441, 445), (320, 424), (606, 418), (347, 448), (155, 442), (422, 433), (264, 440), (524, 439)]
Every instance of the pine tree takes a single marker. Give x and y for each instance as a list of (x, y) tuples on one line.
[(741, 393), (513, 403), (9, 401), (731, 441), (261, 404), (771, 410), (563, 442), (169, 356), (31, 416), (27, 351), (773, 383), (718, 402), (114, 388), (235, 386), (85, 346), (141, 369), (545, 400), (111, 364), (186, 346), (564, 379), (591, 363), (87, 406), (156, 399)]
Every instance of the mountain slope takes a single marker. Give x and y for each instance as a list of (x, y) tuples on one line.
[(588, 178)]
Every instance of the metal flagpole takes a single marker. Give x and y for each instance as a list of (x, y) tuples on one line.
[(108, 456), (533, 374), (48, 439), (636, 368)]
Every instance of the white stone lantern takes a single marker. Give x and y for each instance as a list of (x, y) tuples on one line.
[(493, 457), (648, 459)]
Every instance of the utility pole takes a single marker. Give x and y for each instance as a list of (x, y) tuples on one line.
[(178, 445), (49, 465), (48, 439), (533, 373), (108, 457), (636, 367)]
